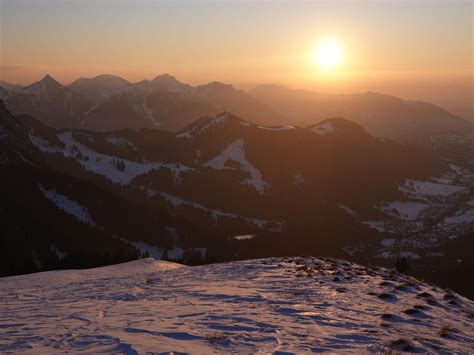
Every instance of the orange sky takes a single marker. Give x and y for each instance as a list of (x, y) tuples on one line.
[(417, 49)]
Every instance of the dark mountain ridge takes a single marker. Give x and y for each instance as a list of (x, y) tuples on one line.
[(108, 102), (330, 189), (99, 88), (382, 115), (53, 220)]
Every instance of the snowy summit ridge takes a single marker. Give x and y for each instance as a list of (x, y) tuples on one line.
[(268, 305)]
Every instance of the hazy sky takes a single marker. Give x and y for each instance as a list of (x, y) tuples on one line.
[(412, 47)]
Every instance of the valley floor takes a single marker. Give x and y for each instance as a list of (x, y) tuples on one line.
[(269, 305)]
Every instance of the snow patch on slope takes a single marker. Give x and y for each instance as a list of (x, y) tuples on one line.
[(218, 120), (416, 188), (276, 128), (323, 129), (460, 218), (120, 142), (377, 225), (144, 248), (298, 179), (405, 210), (176, 201), (388, 242), (147, 111), (90, 110), (347, 209), (235, 152), (244, 237), (67, 205), (59, 254), (42, 144), (106, 165)]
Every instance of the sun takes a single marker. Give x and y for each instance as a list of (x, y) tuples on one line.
[(328, 54)]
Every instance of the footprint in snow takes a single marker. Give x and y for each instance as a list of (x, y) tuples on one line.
[(387, 297), (416, 313)]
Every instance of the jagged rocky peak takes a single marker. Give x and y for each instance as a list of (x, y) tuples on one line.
[(49, 80), (42, 86)]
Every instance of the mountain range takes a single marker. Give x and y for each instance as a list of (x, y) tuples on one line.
[(223, 188), (381, 115), (108, 102)]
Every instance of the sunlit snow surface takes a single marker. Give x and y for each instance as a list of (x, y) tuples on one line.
[(272, 305)]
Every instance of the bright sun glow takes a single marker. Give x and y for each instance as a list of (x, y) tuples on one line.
[(328, 54)]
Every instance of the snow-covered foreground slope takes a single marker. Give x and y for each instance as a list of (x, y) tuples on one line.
[(279, 304)]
